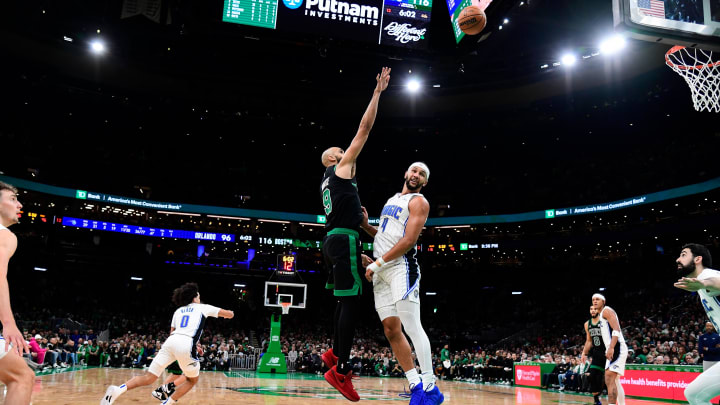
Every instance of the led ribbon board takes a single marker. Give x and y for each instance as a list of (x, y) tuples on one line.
[(144, 230)]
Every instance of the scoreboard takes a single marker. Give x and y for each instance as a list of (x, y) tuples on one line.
[(260, 13), (401, 23)]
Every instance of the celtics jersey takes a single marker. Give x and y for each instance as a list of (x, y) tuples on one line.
[(597, 350), (710, 301), (341, 201)]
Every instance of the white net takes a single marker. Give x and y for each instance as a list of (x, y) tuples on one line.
[(285, 307), (701, 72)]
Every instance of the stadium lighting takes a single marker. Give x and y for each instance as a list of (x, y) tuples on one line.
[(430, 293), (97, 47), (613, 44), (569, 59), (240, 285), (601, 289), (413, 85), (136, 278), (506, 21), (517, 293), (40, 269)]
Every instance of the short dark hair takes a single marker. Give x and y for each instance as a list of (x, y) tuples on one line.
[(700, 250), (5, 186), (185, 294)]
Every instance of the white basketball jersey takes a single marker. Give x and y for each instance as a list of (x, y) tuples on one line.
[(3, 228), (393, 220), (606, 330), (710, 300), (190, 320)]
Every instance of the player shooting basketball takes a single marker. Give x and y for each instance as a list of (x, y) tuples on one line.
[(693, 267), (395, 275), (341, 245)]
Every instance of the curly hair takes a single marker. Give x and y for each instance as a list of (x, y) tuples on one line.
[(185, 294)]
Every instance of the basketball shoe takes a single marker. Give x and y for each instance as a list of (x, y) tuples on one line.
[(416, 395), (434, 396), (329, 358), (164, 391), (112, 393), (343, 383)]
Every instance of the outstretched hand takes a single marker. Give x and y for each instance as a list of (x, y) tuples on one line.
[(690, 284), (383, 78)]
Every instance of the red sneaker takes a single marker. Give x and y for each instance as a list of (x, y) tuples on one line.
[(342, 383), (329, 358)]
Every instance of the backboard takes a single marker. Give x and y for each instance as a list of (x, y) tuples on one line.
[(276, 293), (691, 23)]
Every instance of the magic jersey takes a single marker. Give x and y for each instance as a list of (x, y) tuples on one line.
[(190, 320), (710, 301), (606, 331), (393, 220), (3, 228)]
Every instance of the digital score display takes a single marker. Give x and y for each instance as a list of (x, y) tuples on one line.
[(286, 263), (258, 13), (144, 230), (402, 23)]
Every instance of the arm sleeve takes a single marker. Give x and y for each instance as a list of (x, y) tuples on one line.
[(209, 310)]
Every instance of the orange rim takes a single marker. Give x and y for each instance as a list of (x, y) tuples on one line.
[(678, 48)]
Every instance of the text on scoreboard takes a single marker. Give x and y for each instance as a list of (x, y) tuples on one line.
[(144, 230), (402, 23)]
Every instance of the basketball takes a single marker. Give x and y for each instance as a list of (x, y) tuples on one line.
[(472, 20)]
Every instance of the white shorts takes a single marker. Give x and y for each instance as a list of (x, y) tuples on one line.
[(3, 352), (180, 348), (618, 366), (394, 284)]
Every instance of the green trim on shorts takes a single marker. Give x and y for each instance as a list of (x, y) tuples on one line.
[(329, 286), (357, 284), (597, 367), (345, 231)]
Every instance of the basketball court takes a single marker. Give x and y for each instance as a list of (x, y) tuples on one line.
[(86, 386)]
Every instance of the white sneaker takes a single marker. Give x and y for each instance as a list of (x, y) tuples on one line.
[(110, 395)]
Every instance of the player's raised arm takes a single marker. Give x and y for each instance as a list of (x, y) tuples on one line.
[(224, 313), (345, 167), (693, 284)]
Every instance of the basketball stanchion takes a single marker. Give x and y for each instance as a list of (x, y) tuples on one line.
[(701, 71)]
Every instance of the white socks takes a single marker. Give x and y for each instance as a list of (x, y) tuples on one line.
[(620, 392), (428, 379), (413, 378)]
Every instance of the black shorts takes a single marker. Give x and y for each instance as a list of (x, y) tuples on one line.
[(341, 250), (597, 378), (174, 368)]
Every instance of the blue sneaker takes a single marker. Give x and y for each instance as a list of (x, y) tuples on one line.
[(416, 395), (434, 396)]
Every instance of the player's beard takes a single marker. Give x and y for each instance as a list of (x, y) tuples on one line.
[(411, 188), (683, 271)]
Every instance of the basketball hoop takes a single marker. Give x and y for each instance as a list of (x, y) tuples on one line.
[(285, 307), (700, 72)]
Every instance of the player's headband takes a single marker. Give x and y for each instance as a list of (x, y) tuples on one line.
[(596, 295), (422, 166)]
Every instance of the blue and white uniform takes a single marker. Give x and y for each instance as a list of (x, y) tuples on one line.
[(706, 386), (188, 322), (398, 279), (3, 352), (617, 364)]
